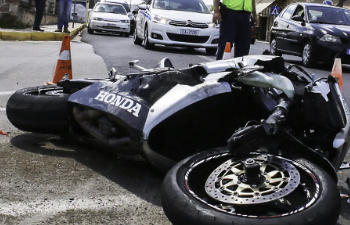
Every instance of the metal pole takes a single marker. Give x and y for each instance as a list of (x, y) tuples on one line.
[(74, 15), (87, 11)]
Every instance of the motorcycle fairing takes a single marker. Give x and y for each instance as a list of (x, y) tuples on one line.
[(341, 141), (181, 96), (117, 101), (130, 97)]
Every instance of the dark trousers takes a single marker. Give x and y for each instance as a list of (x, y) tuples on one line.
[(64, 11), (234, 28), (39, 12)]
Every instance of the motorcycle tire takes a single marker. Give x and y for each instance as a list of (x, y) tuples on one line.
[(42, 109), (185, 199)]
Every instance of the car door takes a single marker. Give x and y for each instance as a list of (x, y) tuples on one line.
[(279, 28), (295, 31), (142, 16)]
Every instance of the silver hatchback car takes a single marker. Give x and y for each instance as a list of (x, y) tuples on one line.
[(109, 17)]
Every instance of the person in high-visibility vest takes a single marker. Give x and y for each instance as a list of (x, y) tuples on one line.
[(235, 25)]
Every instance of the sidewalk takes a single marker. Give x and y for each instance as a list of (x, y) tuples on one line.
[(49, 34)]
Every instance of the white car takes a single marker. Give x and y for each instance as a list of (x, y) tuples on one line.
[(128, 11), (176, 23), (109, 17)]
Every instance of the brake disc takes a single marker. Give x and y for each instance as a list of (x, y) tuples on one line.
[(279, 178)]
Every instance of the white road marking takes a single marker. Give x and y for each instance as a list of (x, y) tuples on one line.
[(56, 206), (6, 92)]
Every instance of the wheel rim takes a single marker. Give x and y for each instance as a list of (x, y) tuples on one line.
[(134, 36), (294, 189), (273, 46), (228, 182), (306, 54), (47, 91)]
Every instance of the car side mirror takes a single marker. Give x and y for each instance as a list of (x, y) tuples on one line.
[(298, 18)]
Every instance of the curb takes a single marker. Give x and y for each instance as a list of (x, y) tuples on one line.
[(37, 36)]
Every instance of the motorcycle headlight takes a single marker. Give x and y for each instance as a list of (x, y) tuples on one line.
[(213, 25), (159, 19), (330, 38)]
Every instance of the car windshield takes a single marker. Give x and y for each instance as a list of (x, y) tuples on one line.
[(328, 15), (110, 8), (182, 5), (126, 6)]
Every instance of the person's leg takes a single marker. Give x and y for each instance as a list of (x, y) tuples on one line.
[(39, 13), (227, 32), (68, 8), (243, 38), (60, 14)]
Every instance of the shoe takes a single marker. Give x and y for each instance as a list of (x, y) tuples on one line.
[(58, 30), (66, 30), (38, 29)]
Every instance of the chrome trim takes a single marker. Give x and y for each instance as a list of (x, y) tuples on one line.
[(188, 23)]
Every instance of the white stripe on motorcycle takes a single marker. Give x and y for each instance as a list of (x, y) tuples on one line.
[(6, 92), (53, 207), (2, 109)]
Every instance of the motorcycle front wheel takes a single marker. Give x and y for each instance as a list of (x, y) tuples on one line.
[(212, 188), (42, 109)]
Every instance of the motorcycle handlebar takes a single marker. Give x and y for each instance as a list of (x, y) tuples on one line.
[(268, 127)]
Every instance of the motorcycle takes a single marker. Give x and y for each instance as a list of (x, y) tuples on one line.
[(247, 140)]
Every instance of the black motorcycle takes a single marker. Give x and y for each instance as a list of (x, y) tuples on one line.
[(282, 134)]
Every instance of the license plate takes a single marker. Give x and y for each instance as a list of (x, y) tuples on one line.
[(111, 25), (189, 32), (348, 51)]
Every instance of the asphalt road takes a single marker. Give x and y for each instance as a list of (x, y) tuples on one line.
[(49, 180)]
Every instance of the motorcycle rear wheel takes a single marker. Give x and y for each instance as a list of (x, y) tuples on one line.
[(185, 200), (42, 109)]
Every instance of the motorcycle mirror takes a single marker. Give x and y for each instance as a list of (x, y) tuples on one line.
[(165, 63), (133, 63)]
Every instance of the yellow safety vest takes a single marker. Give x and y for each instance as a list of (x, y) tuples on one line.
[(245, 5)]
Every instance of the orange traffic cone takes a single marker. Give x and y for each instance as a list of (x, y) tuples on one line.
[(337, 72), (64, 63), (227, 52)]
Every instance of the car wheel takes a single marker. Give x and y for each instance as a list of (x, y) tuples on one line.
[(307, 57), (137, 40), (146, 42), (210, 51), (273, 48), (90, 31)]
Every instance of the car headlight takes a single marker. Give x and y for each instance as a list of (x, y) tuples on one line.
[(213, 25), (97, 18), (124, 21), (159, 19), (330, 38)]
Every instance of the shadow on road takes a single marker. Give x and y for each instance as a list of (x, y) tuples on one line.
[(132, 173), (179, 50)]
